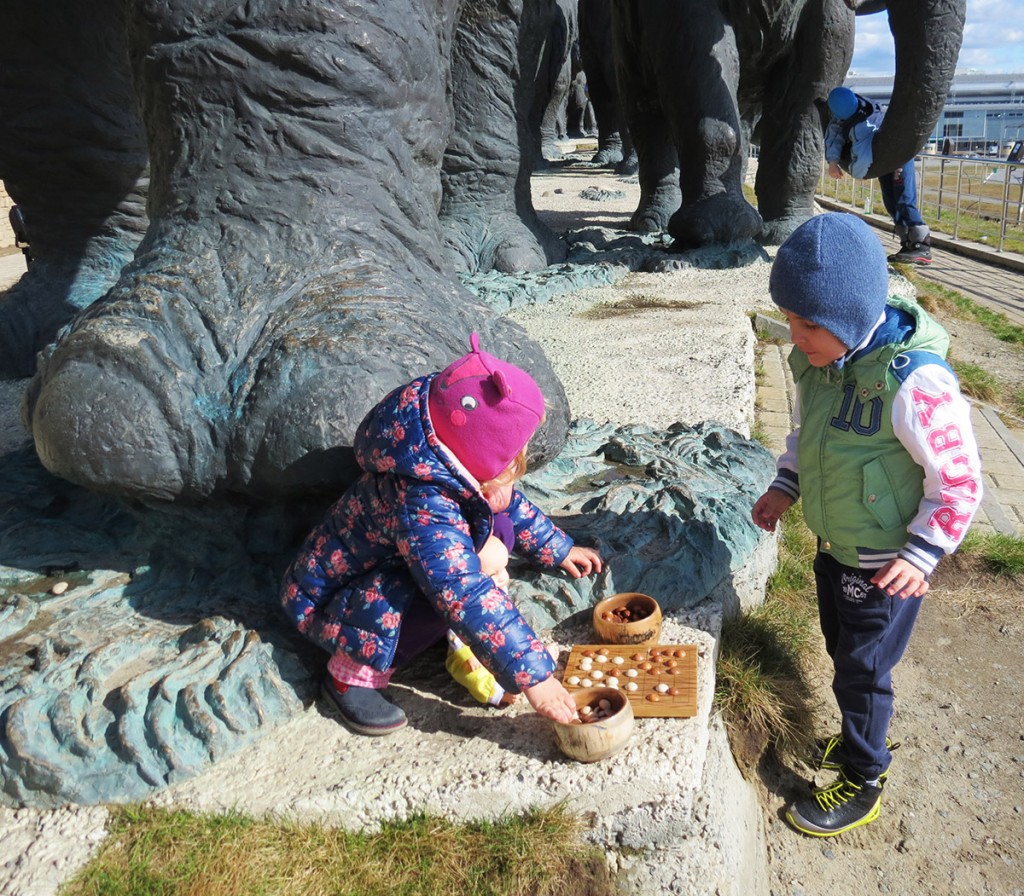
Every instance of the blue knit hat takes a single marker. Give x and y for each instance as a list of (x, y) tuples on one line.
[(842, 103), (832, 271)]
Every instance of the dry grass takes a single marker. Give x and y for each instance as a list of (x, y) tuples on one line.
[(978, 218), (636, 304), (763, 689), (157, 852)]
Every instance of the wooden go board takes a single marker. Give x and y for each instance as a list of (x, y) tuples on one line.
[(674, 666)]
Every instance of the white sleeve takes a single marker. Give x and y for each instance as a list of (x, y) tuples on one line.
[(932, 420)]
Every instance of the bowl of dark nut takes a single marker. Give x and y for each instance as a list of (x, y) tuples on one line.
[(627, 618)]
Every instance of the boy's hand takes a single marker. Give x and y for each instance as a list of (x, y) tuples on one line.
[(834, 170), (581, 562), (769, 508), (901, 578), (551, 700)]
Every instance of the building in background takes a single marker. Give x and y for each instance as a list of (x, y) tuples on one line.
[(983, 115)]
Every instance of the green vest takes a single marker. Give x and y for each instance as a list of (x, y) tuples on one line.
[(859, 485)]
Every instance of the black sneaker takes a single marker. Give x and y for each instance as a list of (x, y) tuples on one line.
[(913, 253), (828, 754), (364, 710), (847, 804)]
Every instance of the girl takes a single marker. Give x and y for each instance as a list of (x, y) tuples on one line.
[(395, 564)]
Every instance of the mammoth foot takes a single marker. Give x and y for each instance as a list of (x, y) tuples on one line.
[(776, 231), (501, 242), (191, 378), (717, 220), (608, 155), (656, 206)]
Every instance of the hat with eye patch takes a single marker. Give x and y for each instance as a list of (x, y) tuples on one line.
[(484, 410)]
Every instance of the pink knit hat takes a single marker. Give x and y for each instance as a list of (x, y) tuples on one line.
[(484, 410)]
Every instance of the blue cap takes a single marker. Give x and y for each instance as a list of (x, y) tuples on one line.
[(842, 103), (832, 271)]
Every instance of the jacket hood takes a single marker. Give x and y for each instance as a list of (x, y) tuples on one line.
[(904, 319), (397, 437)]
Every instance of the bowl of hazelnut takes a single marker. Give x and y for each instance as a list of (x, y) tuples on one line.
[(603, 725), (627, 618)]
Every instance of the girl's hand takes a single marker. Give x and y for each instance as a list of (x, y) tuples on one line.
[(900, 578), (769, 508), (551, 700), (502, 579), (581, 562)]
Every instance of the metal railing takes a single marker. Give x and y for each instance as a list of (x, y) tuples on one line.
[(956, 194)]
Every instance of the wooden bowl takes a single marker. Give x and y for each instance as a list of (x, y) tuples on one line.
[(628, 618), (593, 741)]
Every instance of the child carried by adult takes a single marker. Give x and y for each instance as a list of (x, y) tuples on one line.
[(396, 564)]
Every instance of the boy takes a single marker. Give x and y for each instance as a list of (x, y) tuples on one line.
[(855, 119), (884, 457)]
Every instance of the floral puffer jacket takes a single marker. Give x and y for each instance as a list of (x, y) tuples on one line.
[(414, 521)]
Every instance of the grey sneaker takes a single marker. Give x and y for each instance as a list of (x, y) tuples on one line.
[(849, 803), (913, 253)]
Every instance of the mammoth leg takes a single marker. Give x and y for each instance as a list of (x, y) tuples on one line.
[(699, 78), (73, 159), (791, 141), (554, 77), (293, 270), (635, 40), (487, 208), (596, 54)]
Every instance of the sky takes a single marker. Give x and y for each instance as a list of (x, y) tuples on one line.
[(993, 40)]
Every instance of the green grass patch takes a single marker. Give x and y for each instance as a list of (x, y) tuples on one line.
[(762, 688), (160, 852), (975, 381), (1016, 403), (936, 297), (1002, 554)]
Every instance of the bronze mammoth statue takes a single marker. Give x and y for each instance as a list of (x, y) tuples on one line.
[(700, 81), (247, 222)]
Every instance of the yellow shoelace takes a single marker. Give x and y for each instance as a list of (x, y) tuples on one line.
[(840, 792)]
